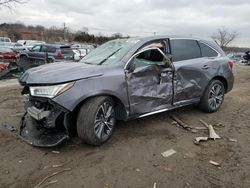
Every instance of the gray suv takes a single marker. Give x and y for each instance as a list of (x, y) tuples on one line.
[(120, 80)]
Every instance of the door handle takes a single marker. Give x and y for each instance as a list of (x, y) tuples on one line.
[(205, 67)]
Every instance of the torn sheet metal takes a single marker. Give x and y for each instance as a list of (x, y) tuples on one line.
[(36, 135), (149, 88)]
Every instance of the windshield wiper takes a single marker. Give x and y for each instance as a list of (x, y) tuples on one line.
[(109, 56)]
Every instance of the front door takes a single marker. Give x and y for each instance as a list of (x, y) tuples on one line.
[(149, 81)]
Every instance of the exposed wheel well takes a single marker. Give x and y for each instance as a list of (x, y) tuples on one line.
[(223, 80)]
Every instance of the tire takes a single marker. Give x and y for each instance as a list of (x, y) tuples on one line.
[(93, 126), (213, 97)]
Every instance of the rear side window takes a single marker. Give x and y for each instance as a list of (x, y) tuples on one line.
[(184, 49), (206, 51), (51, 49)]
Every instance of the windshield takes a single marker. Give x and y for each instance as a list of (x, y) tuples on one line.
[(109, 52)]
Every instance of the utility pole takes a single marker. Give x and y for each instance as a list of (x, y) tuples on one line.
[(64, 31)]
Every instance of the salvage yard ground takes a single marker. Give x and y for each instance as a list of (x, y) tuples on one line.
[(132, 157)]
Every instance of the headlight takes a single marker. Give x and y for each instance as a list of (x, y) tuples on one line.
[(50, 91)]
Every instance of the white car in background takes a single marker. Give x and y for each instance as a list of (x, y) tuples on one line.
[(5, 41), (25, 44), (81, 50)]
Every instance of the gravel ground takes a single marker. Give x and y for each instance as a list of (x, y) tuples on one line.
[(132, 157)]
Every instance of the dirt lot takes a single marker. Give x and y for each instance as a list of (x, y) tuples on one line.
[(132, 157)]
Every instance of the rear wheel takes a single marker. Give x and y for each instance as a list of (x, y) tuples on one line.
[(213, 96), (96, 120)]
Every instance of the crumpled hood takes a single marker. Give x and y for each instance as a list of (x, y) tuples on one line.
[(60, 72)]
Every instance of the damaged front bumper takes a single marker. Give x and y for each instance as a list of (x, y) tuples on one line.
[(44, 124)]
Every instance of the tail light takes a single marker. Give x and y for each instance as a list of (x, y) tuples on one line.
[(59, 54), (230, 64)]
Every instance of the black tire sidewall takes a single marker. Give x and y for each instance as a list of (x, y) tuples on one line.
[(86, 118)]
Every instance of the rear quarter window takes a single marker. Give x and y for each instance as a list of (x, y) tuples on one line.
[(66, 50), (206, 51), (184, 49)]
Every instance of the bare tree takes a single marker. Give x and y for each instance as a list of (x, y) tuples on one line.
[(223, 37), (10, 3)]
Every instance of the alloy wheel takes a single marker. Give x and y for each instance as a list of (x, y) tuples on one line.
[(216, 96), (104, 121)]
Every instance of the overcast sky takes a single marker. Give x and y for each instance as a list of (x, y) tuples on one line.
[(138, 17)]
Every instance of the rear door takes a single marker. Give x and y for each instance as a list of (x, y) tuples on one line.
[(191, 70)]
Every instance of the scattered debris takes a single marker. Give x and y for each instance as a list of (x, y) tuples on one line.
[(214, 163), (7, 172), (17, 114), (218, 125), (9, 127), (212, 133), (233, 140), (20, 161), (106, 186), (137, 170), (188, 184), (200, 128), (197, 140), (56, 152), (180, 122), (49, 183), (154, 186), (155, 165), (167, 169), (53, 174), (168, 153), (57, 165)]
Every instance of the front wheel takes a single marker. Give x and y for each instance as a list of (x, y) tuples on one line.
[(96, 120), (213, 96)]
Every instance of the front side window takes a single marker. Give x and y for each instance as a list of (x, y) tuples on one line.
[(184, 49), (149, 57), (206, 51), (36, 48)]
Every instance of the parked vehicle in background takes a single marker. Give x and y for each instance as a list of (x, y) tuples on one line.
[(246, 58), (21, 45), (5, 41), (44, 53), (81, 50), (236, 57), (7, 55), (121, 80)]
